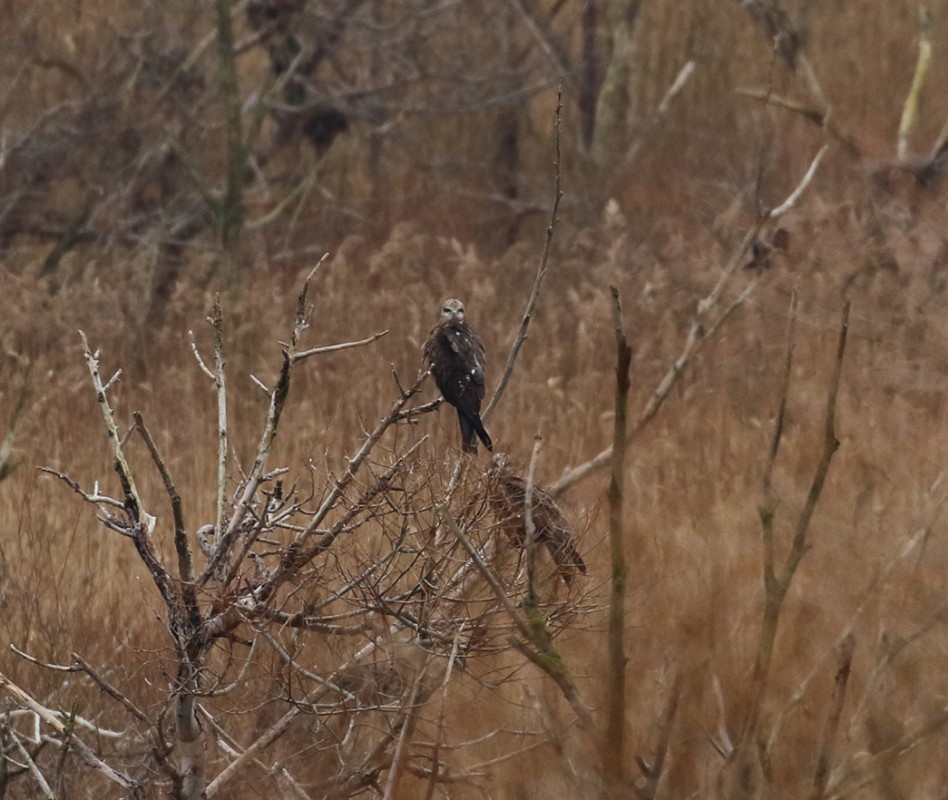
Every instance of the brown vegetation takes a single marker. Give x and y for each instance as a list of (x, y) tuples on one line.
[(779, 642)]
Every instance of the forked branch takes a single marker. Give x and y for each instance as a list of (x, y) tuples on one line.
[(84, 752), (776, 585)]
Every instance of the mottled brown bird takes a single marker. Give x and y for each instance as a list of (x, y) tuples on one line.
[(456, 355), (508, 494)]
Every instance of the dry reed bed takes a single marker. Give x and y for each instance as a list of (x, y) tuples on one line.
[(692, 494)]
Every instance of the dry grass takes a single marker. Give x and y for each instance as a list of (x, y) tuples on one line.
[(876, 565), (692, 494)]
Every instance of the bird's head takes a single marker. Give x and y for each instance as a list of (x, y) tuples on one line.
[(452, 311), (501, 465)]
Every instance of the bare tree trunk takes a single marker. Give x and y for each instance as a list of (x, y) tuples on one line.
[(590, 73), (507, 165), (612, 108), (507, 155), (230, 211), (190, 747), (614, 745)]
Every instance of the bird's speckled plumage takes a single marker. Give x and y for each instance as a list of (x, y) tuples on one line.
[(508, 494), (456, 355)]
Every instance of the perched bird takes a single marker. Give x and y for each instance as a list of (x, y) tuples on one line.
[(763, 248), (508, 498), (456, 355)]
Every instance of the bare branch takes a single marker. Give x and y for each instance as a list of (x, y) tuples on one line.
[(824, 761), (869, 769), (486, 572), (107, 687), (817, 115), (356, 461), (417, 411), (684, 74), (34, 770), (220, 387), (784, 394), (613, 749), (279, 727), (197, 356), (653, 772), (331, 348), (182, 547), (536, 644), (407, 729), (529, 526), (133, 500), (830, 445), (910, 107), (777, 586), (794, 197), (44, 664), (701, 330), (85, 754), (143, 523), (91, 497)]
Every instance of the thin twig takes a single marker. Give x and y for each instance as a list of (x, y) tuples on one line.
[(825, 759), (44, 664), (356, 461), (143, 523), (122, 467), (417, 411), (867, 770), (331, 348), (529, 525), (653, 772), (85, 754), (536, 643), (278, 728), (486, 572), (34, 770), (407, 729), (436, 751), (776, 586), (197, 356), (182, 547), (220, 388), (818, 116), (910, 107), (684, 74), (784, 393), (110, 690), (257, 475), (93, 497), (797, 193)]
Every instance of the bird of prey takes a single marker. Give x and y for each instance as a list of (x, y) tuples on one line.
[(507, 496), (456, 355), (763, 248)]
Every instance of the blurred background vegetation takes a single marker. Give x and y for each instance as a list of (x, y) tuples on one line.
[(155, 154)]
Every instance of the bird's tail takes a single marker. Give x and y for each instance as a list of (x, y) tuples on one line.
[(566, 555), (472, 429)]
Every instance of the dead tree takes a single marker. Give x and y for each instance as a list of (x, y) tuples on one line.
[(281, 571)]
